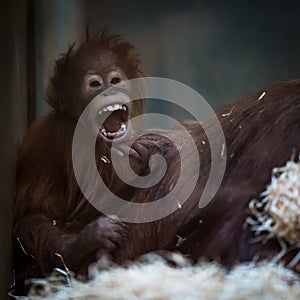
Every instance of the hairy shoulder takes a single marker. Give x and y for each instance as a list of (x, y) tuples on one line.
[(50, 133), (42, 162)]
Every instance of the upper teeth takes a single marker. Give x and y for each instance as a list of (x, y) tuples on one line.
[(113, 108)]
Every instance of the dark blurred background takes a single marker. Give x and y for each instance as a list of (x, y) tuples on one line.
[(223, 49)]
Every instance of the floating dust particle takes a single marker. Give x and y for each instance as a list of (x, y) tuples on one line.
[(105, 160), (223, 151), (180, 240), (203, 142), (171, 187), (227, 114), (54, 223), (261, 96)]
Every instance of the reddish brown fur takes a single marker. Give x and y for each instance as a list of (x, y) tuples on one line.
[(50, 214), (259, 135)]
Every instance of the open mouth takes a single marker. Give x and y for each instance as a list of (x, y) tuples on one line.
[(115, 124)]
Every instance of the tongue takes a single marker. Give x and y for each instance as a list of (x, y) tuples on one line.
[(112, 123)]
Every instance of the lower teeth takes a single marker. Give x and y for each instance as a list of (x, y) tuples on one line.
[(120, 132)]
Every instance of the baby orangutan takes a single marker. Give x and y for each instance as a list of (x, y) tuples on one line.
[(53, 223)]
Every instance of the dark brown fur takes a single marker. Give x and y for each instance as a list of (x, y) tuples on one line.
[(260, 135), (52, 216), (50, 213)]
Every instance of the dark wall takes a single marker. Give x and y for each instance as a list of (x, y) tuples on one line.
[(12, 121), (223, 49)]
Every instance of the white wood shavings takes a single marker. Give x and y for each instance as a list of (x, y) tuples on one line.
[(261, 96), (105, 160), (157, 280)]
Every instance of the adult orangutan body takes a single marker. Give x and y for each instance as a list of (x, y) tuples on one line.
[(54, 225)]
